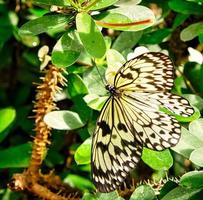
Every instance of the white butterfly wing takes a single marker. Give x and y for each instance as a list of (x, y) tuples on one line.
[(115, 150), (149, 72), (132, 119)]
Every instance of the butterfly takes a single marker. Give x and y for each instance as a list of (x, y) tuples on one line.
[(131, 118)]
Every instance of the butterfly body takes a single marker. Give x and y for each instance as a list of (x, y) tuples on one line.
[(131, 118)]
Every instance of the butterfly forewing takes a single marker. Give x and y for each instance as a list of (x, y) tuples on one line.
[(149, 72), (115, 150), (132, 118)]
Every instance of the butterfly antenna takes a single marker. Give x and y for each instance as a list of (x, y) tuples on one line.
[(103, 80)]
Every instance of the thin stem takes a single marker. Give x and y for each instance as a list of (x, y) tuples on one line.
[(91, 4)]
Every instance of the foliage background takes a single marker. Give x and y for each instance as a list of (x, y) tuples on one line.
[(178, 31)]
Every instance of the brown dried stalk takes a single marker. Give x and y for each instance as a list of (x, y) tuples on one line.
[(44, 186)]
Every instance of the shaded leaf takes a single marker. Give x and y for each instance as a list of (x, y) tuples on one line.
[(66, 51), (45, 24), (16, 157), (193, 179), (7, 116)]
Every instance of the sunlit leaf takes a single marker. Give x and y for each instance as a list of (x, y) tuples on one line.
[(63, 120), (90, 35)]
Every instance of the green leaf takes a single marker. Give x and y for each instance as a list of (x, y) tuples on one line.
[(191, 31), (63, 120), (194, 100), (144, 192), (83, 152), (193, 179), (187, 143), (76, 85), (66, 51), (107, 196), (121, 3), (7, 116), (78, 182), (196, 156), (93, 81), (94, 101), (90, 35), (114, 61), (126, 40), (180, 18), (16, 157), (168, 186), (88, 196), (126, 18), (185, 7), (157, 160), (52, 2), (196, 128), (181, 118), (155, 37), (102, 4), (45, 24), (180, 193)]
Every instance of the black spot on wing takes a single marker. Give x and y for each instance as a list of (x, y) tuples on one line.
[(128, 75), (122, 126), (105, 128)]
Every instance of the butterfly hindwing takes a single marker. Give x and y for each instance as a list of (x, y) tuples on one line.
[(151, 127)]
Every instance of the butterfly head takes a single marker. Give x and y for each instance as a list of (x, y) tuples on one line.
[(113, 91)]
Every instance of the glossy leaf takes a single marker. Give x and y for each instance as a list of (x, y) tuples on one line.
[(66, 51), (45, 24), (63, 120), (193, 179), (157, 160), (107, 196), (16, 156), (180, 193), (144, 192), (83, 152), (90, 35), (132, 18)]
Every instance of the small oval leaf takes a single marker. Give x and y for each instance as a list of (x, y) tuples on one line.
[(63, 120), (157, 160), (45, 24), (90, 35), (83, 152)]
